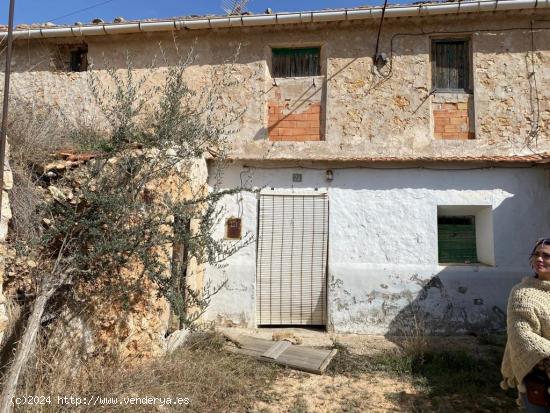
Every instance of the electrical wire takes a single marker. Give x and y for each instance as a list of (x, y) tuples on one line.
[(534, 100), (455, 32), (380, 29), (533, 93), (81, 10)]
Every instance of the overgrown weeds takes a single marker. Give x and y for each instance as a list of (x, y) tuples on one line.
[(458, 380), (117, 230), (299, 406), (35, 132), (216, 381), (492, 339), (354, 365), (211, 379)]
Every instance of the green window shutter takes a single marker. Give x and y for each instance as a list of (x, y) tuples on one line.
[(451, 65), (457, 239), (294, 62)]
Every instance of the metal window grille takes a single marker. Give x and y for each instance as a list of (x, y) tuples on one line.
[(456, 237), (296, 62), (292, 259), (451, 65)]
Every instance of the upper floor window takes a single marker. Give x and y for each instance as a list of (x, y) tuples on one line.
[(451, 65), (296, 62), (79, 59), (72, 58)]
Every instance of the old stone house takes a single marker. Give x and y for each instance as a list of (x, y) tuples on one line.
[(400, 164)]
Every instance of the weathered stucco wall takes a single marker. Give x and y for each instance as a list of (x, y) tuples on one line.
[(383, 252), (367, 111), (383, 249)]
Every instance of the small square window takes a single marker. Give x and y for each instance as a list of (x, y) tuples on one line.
[(451, 65), (79, 59), (71, 58), (456, 239), (233, 228), (296, 62)]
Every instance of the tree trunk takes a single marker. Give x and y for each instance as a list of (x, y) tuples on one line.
[(24, 350)]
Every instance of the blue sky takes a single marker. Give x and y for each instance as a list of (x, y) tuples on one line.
[(33, 11)]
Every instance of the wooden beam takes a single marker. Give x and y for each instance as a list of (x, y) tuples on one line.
[(311, 360)]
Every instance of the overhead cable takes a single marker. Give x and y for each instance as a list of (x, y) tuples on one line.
[(81, 10)]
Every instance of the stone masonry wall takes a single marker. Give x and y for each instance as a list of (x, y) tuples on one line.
[(365, 110)]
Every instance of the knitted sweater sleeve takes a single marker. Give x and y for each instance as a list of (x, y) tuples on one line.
[(525, 346)]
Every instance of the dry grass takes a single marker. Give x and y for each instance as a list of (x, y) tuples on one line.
[(461, 380), (35, 132), (13, 312), (212, 379), (448, 378)]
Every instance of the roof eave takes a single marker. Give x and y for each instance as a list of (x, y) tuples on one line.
[(282, 18)]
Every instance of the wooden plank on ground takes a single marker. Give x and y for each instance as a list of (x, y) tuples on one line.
[(276, 349), (285, 353)]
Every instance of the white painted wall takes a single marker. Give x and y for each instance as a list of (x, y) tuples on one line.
[(383, 270)]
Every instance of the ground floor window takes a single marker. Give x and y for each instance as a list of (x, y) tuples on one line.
[(465, 234), (456, 239)]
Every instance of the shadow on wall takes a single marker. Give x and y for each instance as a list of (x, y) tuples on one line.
[(471, 299), (441, 308)]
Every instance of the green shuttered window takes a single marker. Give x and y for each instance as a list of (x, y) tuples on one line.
[(296, 62), (451, 65), (457, 239)]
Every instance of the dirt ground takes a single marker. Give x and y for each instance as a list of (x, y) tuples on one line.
[(358, 343), (299, 392), (368, 374), (304, 392)]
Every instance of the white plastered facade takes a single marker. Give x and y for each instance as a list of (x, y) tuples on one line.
[(383, 270)]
